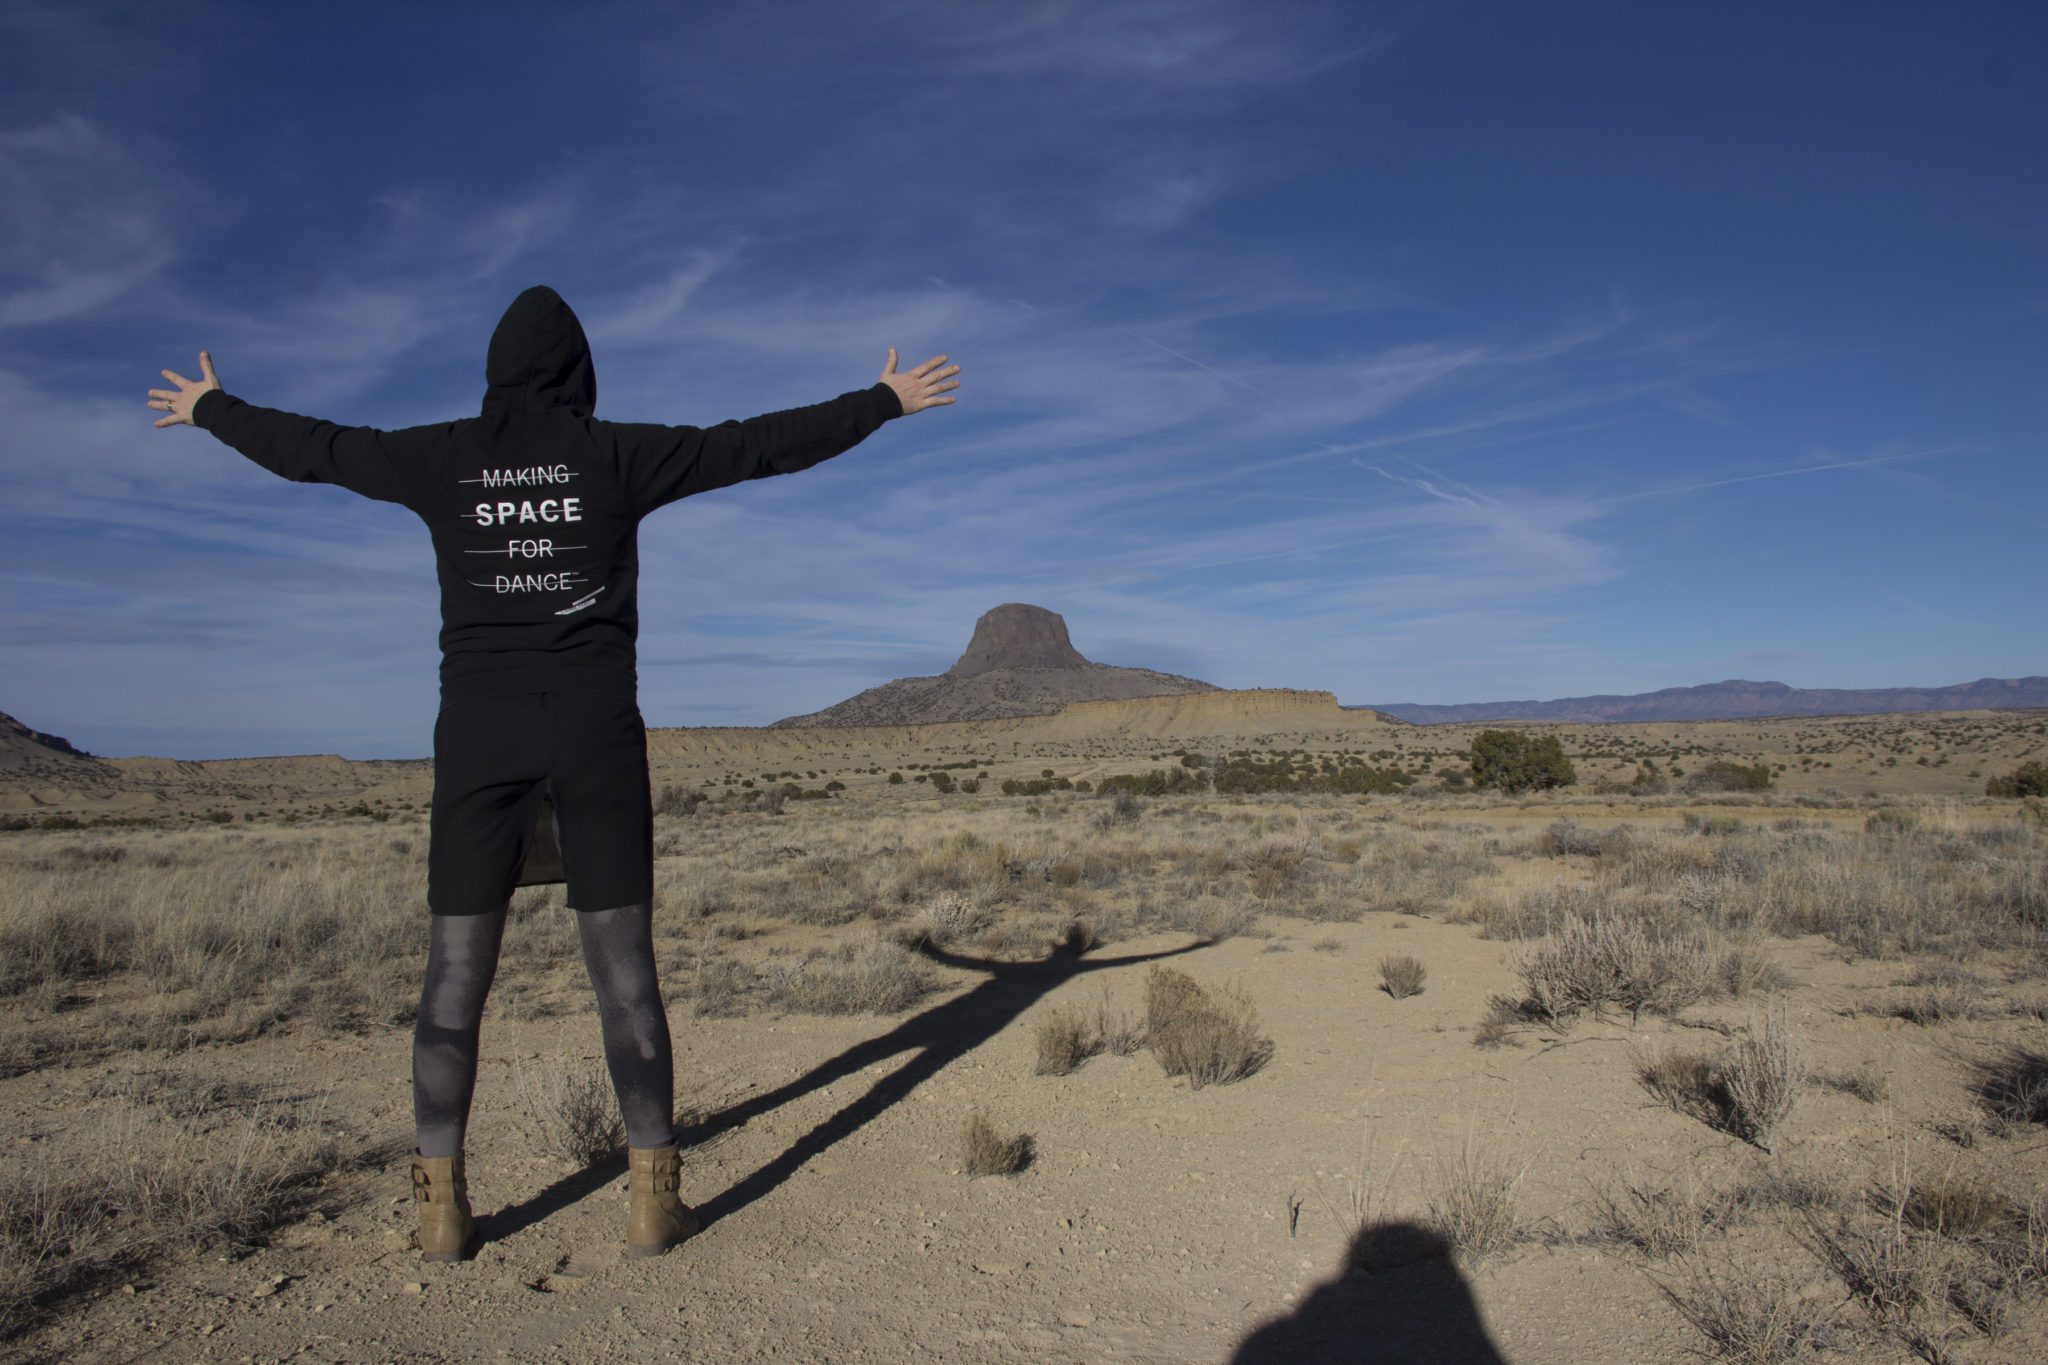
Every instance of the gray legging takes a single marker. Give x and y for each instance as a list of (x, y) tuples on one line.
[(462, 959)]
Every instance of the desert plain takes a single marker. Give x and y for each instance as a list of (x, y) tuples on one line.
[(1623, 1071)]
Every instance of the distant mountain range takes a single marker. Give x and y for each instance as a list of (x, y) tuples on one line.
[(1737, 698)]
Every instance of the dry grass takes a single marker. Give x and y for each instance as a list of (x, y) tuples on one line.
[(1065, 1040), (1747, 1316), (1588, 963), (1748, 1090), (1208, 1034), (574, 1113), (873, 977), (1472, 1196), (1401, 975), (984, 1151), (152, 940), (207, 1166), (1761, 1076), (1663, 1220)]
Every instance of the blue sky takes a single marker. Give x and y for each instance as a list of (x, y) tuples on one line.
[(1423, 352)]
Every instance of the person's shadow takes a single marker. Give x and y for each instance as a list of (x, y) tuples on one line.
[(1398, 1298), (935, 1037)]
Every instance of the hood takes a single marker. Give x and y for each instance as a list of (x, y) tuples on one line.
[(539, 359)]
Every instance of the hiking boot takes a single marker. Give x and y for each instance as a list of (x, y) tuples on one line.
[(441, 1192), (658, 1218)]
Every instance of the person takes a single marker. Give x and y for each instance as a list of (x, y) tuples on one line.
[(534, 508)]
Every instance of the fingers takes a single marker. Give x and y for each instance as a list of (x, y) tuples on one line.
[(171, 421), (163, 393), (926, 368), (180, 380), (890, 368), (206, 368)]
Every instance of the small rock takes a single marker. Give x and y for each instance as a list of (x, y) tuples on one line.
[(415, 1286), (1077, 1318)]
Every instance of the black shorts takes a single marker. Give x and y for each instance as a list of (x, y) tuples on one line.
[(540, 787)]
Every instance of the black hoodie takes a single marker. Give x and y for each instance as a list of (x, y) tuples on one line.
[(535, 505)]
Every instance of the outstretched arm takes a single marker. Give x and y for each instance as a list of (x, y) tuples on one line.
[(385, 465), (663, 463)]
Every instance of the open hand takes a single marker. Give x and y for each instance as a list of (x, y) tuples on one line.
[(918, 389), (177, 404)]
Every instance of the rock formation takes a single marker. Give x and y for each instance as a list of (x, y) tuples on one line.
[(1020, 662)]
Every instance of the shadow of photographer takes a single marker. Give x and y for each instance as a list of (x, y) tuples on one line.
[(1399, 1298)]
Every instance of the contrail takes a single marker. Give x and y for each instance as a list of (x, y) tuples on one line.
[(1787, 473)]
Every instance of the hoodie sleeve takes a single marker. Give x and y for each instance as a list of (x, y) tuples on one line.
[(389, 466), (660, 464)]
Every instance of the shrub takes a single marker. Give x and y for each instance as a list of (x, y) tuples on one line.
[(1157, 782), (576, 1113), (1589, 962), (1662, 1221), (875, 977), (1065, 1040), (2029, 779), (1514, 762), (1761, 1077), (986, 1152), (1209, 1037), (676, 800), (1471, 1197), (1565, 838), (1401, 976), (1724, 776), (1749, 1317), (1747, 1091)]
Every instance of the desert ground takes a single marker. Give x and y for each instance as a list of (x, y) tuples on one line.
[(1625, 1071)]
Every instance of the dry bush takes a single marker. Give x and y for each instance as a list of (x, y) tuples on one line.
[(871, 977), (1118, 1032), (1664, 1220), (1745, 966), (1868, 1084), (2014, 1087), (1747, 1316), (1761, 1076), (1211, 918), (984, 1151), (1566, 837), (574, 1114), (1588, 964), (1747, 1091), (1208, 1034), (948, 917), (127, 1188), (1471, 1196), (1416, 874), (1065, 1040), (1401, 975), (1503, 1018), (1686, 1081), (719, 990), (1273, 868), (1952, 1204)]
